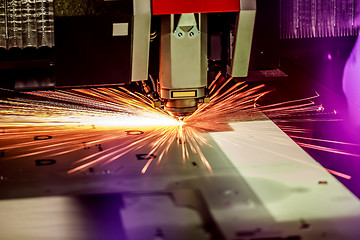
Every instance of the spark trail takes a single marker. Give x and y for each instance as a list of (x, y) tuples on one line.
[(113, 111), (100, 107)]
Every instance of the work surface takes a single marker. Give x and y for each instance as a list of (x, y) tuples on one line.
[(255, 183)]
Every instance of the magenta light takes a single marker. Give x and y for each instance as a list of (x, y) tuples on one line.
[(329, 57), (351, 83)]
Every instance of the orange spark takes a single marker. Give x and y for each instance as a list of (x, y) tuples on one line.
[(117, 108)]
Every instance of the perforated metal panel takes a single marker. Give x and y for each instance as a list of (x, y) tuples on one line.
[(26, 23), (318, 18)]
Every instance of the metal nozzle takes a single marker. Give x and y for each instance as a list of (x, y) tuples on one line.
[(181, 107)]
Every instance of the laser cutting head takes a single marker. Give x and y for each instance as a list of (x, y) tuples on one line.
[(183, 62), (181, 108)]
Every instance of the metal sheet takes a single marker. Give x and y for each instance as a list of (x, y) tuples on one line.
[(262, 185)]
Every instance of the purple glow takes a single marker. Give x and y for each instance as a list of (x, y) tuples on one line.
[(351, 83), (329, 57)]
